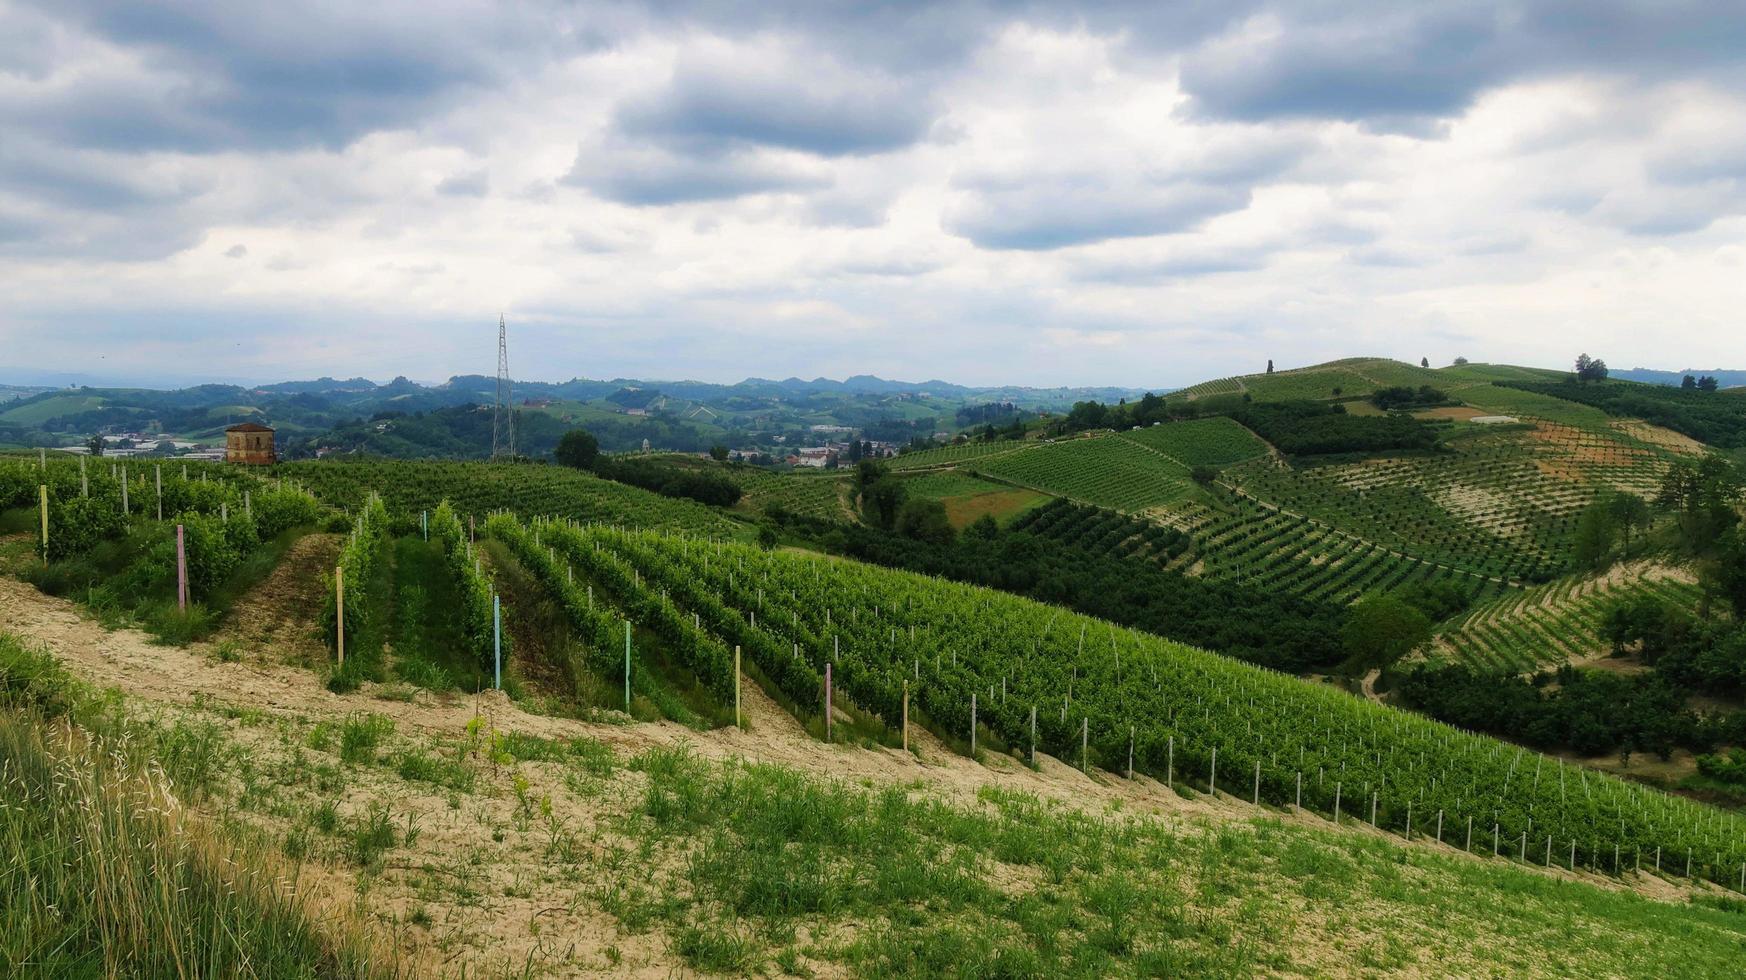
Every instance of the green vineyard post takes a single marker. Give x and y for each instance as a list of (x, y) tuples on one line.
[(627, 652), (339, 599), (1033, 736), (496, 641)]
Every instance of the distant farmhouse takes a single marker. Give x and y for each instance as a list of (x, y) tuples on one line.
[(250, 443)]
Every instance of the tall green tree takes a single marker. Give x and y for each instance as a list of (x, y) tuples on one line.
[(578, 449), (1382, 629)]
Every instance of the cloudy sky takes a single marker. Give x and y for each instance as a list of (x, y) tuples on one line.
[(1142, 194)]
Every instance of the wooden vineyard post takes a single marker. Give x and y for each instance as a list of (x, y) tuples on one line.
[(1439, 826), (1336, 803), (1085, 745), (1256, 801), (84, 481), (1212, 779), (248, 506), (737, 686), (1033, 736), (972, 724), (158, 478), (496, 641), (44, 494), (1170, 761), (424, 523), (827, 700), (126, 511), (627, 641), (1469, 845), (339, 605), (1299, 804), (906, 716), (1130, 753)]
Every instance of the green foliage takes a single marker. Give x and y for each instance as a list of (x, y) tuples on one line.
[(476, 591), (578, 449), (925, 520), (1316, 428), (1380, 630), (1402, 397)]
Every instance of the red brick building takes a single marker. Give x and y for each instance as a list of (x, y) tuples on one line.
[(249, 443)]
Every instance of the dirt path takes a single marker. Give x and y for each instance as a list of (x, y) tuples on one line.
[(277, 614)]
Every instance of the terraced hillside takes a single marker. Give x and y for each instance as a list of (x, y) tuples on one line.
[(1558, 622)]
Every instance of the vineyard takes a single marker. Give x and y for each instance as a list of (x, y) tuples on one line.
[(1501, 504), (477, 489), (821, 496), (957, 453), (1201, 442), (1557, 622), (1238, 540), (1105, 470), (993, 670)]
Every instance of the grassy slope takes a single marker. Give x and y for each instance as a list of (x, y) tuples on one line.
[(505, 850)]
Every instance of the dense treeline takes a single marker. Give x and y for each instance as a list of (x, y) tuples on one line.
[(1318, 428), (1296, 428), (1401, 396), (1713, 417), (1592, 712), (1273, 631)]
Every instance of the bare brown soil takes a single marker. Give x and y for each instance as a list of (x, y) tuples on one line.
[(278, 614)]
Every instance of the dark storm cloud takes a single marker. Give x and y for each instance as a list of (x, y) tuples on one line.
[(819, 108), (1397, 63), (275, 76)]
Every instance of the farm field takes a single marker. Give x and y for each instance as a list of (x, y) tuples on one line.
[(1558, 622), (820, 495), (1201, 442), (1102, 469)]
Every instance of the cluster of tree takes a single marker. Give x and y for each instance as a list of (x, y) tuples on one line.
[(1705, 383), (579, 449), (1400, 396), (1590, 368), (989, 413), (1714, 419), (1608, 528), (1591, 712), (886, 504), (1305, 428), (1728, 768), (1279, 632)]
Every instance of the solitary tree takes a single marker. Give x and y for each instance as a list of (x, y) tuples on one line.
[(95, 445), (577, 448), (1590, 368), (1424, 362), (1270, 365), (718, 452), (1688, 383), (1708, 383), (1382, 629), (1460, 361), (924, 519)]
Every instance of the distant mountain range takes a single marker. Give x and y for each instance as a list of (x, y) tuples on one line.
[(1724, 378)]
